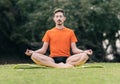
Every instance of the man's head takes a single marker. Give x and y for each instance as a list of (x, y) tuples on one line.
[(59, 16)]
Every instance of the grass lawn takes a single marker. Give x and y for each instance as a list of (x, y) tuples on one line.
[(108, 75)]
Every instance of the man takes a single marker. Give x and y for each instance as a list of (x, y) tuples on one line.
[(60, 39)]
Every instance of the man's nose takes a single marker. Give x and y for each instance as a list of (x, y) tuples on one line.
[(59, 17)]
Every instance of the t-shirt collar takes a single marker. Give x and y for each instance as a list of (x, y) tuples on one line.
[(59, 29)]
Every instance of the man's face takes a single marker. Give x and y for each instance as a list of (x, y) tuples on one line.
[(59, 18)]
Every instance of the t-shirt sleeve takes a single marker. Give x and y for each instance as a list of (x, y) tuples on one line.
[(46, 37), (73, 37)]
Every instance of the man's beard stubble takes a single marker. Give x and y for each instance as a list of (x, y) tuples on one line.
[(59, 22)]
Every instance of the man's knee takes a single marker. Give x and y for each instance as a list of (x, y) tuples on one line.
[(35, 56), (85, 56), (39, 57)]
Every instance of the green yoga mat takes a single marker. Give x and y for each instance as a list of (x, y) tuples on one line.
[(92, 66), (34, 66), (28, 66)]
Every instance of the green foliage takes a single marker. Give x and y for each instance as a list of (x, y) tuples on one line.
[(24, 22)]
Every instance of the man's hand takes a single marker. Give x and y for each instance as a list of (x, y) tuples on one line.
[(88, 52), (29, 52)]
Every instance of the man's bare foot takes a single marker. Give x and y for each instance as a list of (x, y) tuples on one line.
[(62, 65)]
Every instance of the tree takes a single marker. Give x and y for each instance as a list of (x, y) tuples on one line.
[(95, 22)]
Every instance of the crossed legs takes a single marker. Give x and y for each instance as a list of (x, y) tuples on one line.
[(74, 60), (77, 59)]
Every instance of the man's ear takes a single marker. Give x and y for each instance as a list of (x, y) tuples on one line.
[(64, 18)]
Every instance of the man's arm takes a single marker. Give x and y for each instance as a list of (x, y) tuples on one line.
[(75, 50), (41, 50)]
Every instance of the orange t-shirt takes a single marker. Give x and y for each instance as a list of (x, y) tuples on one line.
[(59, 41)]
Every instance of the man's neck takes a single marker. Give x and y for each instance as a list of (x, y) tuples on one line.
[(60, 26)]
